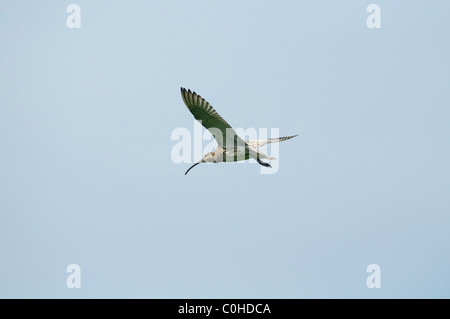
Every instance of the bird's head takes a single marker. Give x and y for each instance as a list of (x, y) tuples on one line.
[(208, 158)]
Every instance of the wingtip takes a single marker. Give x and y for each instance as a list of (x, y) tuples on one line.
[(188, 91)]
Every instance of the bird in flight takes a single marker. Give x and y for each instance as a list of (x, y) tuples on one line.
[(230, 148)]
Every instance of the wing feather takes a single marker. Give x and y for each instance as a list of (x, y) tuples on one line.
[(259, 143), (209, 118)]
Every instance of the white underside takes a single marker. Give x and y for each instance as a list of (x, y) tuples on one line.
[(235, 156)]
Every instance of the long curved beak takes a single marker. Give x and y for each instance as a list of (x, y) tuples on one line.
[(192, 167)]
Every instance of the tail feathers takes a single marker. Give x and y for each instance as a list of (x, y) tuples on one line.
[(260, 143)]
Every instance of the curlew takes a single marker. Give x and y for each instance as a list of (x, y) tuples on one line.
[(230, 147)]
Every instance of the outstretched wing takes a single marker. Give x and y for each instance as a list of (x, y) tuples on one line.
[(259, 143), (210, 119)]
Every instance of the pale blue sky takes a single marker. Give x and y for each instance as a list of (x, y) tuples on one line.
[(86, 175)]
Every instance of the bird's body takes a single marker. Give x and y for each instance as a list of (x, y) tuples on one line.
[(231, 148), (235, 154)]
